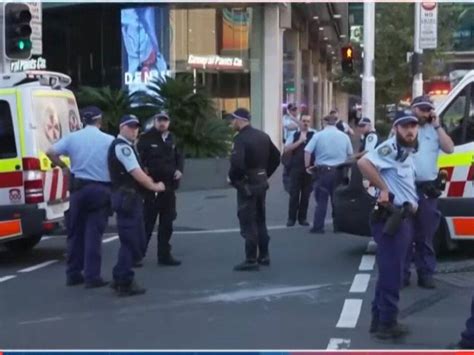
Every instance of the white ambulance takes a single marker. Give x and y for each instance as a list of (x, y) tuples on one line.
[(36, 110)]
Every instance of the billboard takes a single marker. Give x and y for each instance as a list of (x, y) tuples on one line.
[(235, 29), (145, 43)]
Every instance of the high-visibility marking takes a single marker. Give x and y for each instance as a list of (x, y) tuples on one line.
[(367, 263), (10, 228), (7, 165), (111, 239), (360, 283), (350, 313), (54, 185), (21, 125), (338, 344), (39, 266), (6, 278), (455, 159), (463, 226), (11, 179)]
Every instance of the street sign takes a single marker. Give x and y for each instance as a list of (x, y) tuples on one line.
[(428, 25), (36, 26)]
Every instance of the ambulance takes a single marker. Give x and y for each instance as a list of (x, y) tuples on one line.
[(456, 204), (36, 110)]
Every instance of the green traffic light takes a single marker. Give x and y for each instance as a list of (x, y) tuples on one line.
[(23, 44)]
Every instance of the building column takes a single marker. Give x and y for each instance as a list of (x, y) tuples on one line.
[(310, 81), (298, 68), (272, 73), (320, 97)]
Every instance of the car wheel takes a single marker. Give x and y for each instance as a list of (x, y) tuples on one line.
[(23, 245)]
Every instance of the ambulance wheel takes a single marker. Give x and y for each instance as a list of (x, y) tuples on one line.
[(23, 245)]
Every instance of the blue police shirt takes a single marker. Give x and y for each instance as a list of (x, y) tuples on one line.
[(87, 150), (398, 174), (125, 155), (426, 159), (331, 146)]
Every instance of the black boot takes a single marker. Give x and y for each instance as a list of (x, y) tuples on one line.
[(96, 284), (374, 324), (131, 289), (264, 259), (168, 260), (247, 265), (394, 331), (290, 223), (426, 282)]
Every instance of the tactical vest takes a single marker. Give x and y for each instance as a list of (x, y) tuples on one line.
[(119, 177), (297, 158), (160, 159)]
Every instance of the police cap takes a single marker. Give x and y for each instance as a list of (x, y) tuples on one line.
[(364, 122), (129, 120), (241, 114), (404, 116), (423, 102), (90, 114), (162, 116)]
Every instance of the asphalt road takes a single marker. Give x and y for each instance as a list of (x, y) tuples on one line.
[(315, 295)]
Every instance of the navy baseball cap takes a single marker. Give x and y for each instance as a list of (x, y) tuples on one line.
[(364, 122), (129, 120), (162, 116), (291, 107), (404, 116), (241, 114), (422, 102), (90, 113)]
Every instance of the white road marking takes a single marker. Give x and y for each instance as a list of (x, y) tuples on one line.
[(6, 278), (111, 239), (39, 266), (46, 238), (338, 344), (360, 283), (44, 320), (350, 313), (367, 263)]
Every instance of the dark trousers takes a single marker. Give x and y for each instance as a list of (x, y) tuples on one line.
[(286, 178), (390, 257), (86, 222), (421, 251), (131, 230), (164, 205), (300, 190), (467, 336), (253, 225), (324, 186)]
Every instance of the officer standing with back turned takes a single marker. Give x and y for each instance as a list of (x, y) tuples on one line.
[(431, 139), (128, 183), (163, 162), (89, 200), (254, 159), (391, 169)]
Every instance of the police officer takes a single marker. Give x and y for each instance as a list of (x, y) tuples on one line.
[(160, 157), (431, 138), (254, 159), (467, 336), (128, 181), (331, 148), (391, 169), (368, 137), (89, 200), (300, 181)]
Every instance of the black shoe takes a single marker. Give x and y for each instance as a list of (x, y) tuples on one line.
[(137, 264), (316, 231), (132, 289), (406, 283), (168, 261), (247, 265), (394, 331), (374, 325), (75, 281), (427, 283), (460, 345), (290, 223), (96, 284), (304, 223), (264, 260)]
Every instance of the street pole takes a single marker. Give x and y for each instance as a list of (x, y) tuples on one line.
[(368, 79), (417, 88)]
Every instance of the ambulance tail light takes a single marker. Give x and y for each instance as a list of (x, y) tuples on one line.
[(33, 180)]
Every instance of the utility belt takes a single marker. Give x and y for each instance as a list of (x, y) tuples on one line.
[(254, 183), (77, 184), (392, 216), (434, 188), (129, 197)]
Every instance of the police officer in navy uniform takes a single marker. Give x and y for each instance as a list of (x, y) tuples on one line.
[(163, 162), (431, 139), (300, 181), (89, 199), (331, 148), (369, 139), (254, 159), (391, 169), (128, 184)]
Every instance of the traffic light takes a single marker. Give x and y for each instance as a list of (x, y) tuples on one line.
[(17, 27), (347, 60)]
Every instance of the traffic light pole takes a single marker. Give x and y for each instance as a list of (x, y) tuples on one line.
[(368, 79), (417, 88)]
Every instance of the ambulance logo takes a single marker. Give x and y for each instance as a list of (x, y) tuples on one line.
[(15, 195), (52, 127), (74, 122)]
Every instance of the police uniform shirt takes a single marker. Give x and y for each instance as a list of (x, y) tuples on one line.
[(369, 142), (291, 137), (426, 158), (287, 121), (124, 153), (397, 169), (330, 146), (87, 150)]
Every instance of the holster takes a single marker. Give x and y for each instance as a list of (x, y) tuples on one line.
[(254, 183), (129, 199), (391, 216), (431, 189)]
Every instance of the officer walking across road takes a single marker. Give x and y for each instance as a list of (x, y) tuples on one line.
[(300, 181), (391, 169), (89, 200), (128, 183), (163, 162), (254, 159), (431, 139), (331, 148)]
